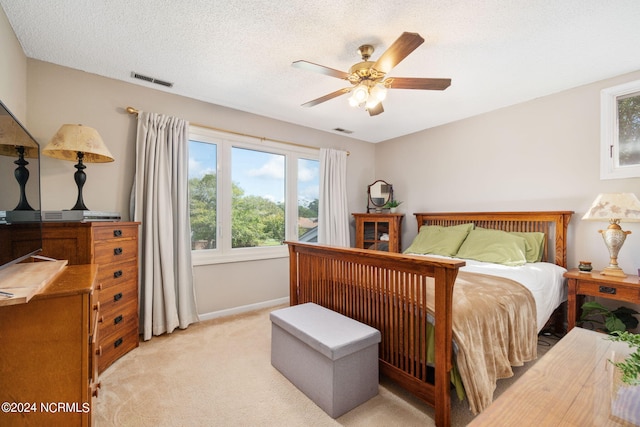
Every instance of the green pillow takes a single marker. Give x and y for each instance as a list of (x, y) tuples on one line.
[(439, 240), (535, 244), (494, 246)]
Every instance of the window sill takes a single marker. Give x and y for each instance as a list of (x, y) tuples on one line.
[(209, 257)]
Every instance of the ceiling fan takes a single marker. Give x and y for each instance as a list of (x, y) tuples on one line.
[(369, 85)]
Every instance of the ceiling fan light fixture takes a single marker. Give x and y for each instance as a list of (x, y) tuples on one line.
[(372, 101), (361, 93), (379, 92)]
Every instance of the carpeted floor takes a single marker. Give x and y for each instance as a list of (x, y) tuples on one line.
[(218, 373)]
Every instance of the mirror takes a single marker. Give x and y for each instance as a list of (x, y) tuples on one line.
[(378, 194)]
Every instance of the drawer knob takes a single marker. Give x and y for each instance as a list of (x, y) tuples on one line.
[(607, 290), (117, 251), (118, 296), (117, 274), (117, 343), (96, 306), (101, 319), (117, 320), (99, 351), (117, 233)]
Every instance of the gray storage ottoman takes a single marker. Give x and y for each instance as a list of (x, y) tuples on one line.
[(331, 358)]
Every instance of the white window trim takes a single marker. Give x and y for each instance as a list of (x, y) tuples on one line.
[(609, 167), (225, 141)]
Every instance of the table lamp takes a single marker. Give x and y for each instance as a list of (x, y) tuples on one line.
[(615, 208), (81, 143), (14, 142)]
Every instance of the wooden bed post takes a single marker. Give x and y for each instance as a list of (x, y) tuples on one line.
[(444, 280), (293, 276)]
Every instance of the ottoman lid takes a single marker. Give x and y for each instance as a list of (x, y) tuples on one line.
[(326, 331)]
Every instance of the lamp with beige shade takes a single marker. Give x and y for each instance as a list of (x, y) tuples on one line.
[(615, 208), (81, 143)]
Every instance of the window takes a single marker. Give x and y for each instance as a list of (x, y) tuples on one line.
[(245, 197), (620, 127)]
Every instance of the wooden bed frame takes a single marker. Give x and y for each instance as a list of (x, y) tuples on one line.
[(388, 291)]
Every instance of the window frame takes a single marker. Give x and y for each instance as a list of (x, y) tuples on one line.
[(609, 141), (224, 253)]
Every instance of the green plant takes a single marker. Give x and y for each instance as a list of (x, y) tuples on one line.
[(630, 367), (392, 204), (620, 319)]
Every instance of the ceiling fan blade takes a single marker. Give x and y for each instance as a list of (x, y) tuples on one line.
[(417, 83), (400, 49), (310, 66), (374, 111), (327, 97)]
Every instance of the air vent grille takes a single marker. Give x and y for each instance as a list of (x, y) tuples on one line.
[(343, 130), (150, 79)]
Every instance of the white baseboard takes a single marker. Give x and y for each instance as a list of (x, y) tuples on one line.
[(243, 309)]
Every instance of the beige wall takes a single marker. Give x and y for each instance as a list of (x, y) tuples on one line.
[(60, 95), (13, 71)]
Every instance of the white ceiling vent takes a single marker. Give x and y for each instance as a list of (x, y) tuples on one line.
[(343, 130), (150, 79)]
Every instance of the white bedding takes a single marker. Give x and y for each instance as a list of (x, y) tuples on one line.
[(544, 280)]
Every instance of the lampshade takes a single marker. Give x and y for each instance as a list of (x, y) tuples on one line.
[(73, 139), (81, 143), (624, 207), (614, 208), (13, 136)]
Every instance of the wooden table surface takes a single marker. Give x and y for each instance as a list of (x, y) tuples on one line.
[(24, 280), (571, 385)]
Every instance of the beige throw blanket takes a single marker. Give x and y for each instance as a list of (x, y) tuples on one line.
[(494, 328)]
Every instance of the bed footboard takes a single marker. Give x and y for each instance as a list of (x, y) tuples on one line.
[(388, 292)]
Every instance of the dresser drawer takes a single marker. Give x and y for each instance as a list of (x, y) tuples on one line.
[(115, 251), (114, 346), (119, 321), (114, 298), (622, 293), (115, 231), (116, 274)]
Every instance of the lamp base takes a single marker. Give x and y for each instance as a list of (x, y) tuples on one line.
[(613, 271), (614, 238)]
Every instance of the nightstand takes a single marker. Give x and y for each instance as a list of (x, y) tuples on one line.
[(594, 284)]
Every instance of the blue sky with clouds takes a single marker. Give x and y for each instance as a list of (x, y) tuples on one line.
[(256, 172)]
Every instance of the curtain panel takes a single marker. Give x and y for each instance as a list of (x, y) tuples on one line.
[(333, 215), (160, 203)]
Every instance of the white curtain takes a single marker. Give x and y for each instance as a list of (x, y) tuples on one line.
[(160, 203), (333, 216)]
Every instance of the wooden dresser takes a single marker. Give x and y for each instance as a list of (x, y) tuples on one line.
[(114, 247), (379, 231), (47, 359)]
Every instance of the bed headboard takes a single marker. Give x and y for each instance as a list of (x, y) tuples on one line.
[(552, 223)]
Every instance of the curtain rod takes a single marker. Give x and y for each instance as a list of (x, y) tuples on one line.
[(134, 111)]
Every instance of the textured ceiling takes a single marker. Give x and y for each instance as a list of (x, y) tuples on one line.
[(239, 53)]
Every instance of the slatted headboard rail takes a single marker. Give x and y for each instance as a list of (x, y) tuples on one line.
[(553, 224)]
